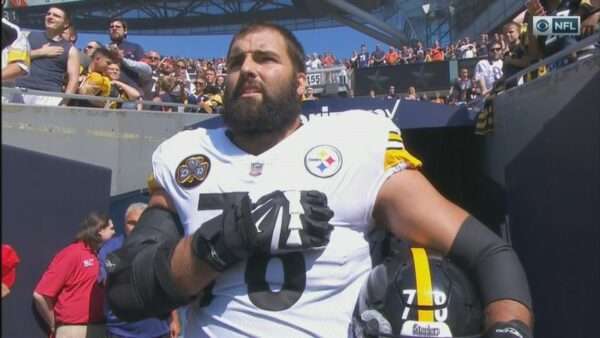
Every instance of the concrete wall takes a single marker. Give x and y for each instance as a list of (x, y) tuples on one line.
[(522, 114), (117, 139)]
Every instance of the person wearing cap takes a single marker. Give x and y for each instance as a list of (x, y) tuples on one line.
[(10, 261)]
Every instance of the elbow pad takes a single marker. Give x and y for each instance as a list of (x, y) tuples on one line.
[(491, 262), (140, 284)]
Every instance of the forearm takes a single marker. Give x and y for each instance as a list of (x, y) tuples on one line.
[(506, 310), (12, 71), (37, 53), (131, 92), (45, 307), (191, 275), (143, 70)]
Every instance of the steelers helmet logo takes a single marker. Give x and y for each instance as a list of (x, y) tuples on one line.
[(192, 171), (323, 161)]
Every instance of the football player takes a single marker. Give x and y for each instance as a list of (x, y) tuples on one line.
[(270, 213)]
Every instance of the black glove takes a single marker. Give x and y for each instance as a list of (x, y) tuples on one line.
[(512, 329), (278, 222)]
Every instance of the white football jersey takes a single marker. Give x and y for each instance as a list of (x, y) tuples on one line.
[(489, 71), (347, 156)]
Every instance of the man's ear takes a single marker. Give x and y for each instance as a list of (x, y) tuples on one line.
[(300, 83)]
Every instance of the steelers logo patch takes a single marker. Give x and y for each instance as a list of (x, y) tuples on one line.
[(192, 171), (323, 161)]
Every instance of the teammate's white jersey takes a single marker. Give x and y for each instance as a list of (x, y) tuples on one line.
[(489, 71), (347, 156)]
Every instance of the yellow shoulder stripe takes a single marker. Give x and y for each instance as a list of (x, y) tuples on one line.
[(393, 136), (395, 156)]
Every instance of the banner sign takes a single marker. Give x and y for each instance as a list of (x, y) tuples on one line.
[(405, 114), (423, 76)]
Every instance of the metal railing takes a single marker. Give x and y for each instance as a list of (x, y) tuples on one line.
[(180, 107)]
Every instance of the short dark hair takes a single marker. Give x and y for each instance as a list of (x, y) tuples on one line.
[(121, 20), (66, 11), (104, 52), (294, 48), (90, 228)]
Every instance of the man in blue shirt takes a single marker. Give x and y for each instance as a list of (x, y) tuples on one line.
[(148, 328)]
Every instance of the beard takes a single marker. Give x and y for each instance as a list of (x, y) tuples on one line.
[(276, 111)]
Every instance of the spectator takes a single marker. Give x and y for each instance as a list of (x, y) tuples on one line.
[(96, 83), (378, 56), (68, 296), (499, 38), (482, 46), (407, 55), (516, 58), (70, 34), (372, 93), (462, 90), (211, 77), (148, 328), (329, 60), (488, 71), (202, 97), (437, 52), (450, 53), (152, 58), (10, 261), (412, 94), (314, 62), (220, 84), (309, 94), (438, 98), (16, 58), (130, 74), (120, 89), (85, 57), (543, 46), (354, 60), (427, 55), (51, 58), (363, 57), (419, 55), (392, 57), (391, 94), (590, 17)]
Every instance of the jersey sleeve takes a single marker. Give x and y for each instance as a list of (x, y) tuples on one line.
[(160, 177), (19, 52), (387, 155), (396, 156)]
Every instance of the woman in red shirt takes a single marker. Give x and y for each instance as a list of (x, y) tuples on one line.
[(69, 297)]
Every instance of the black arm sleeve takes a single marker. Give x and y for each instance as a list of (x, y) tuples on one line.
[(491, 262), (140, 284)]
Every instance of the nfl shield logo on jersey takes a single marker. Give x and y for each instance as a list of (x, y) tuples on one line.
[(323, 161), (256, 168)]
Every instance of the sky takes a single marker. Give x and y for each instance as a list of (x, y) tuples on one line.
[(341, 41)]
